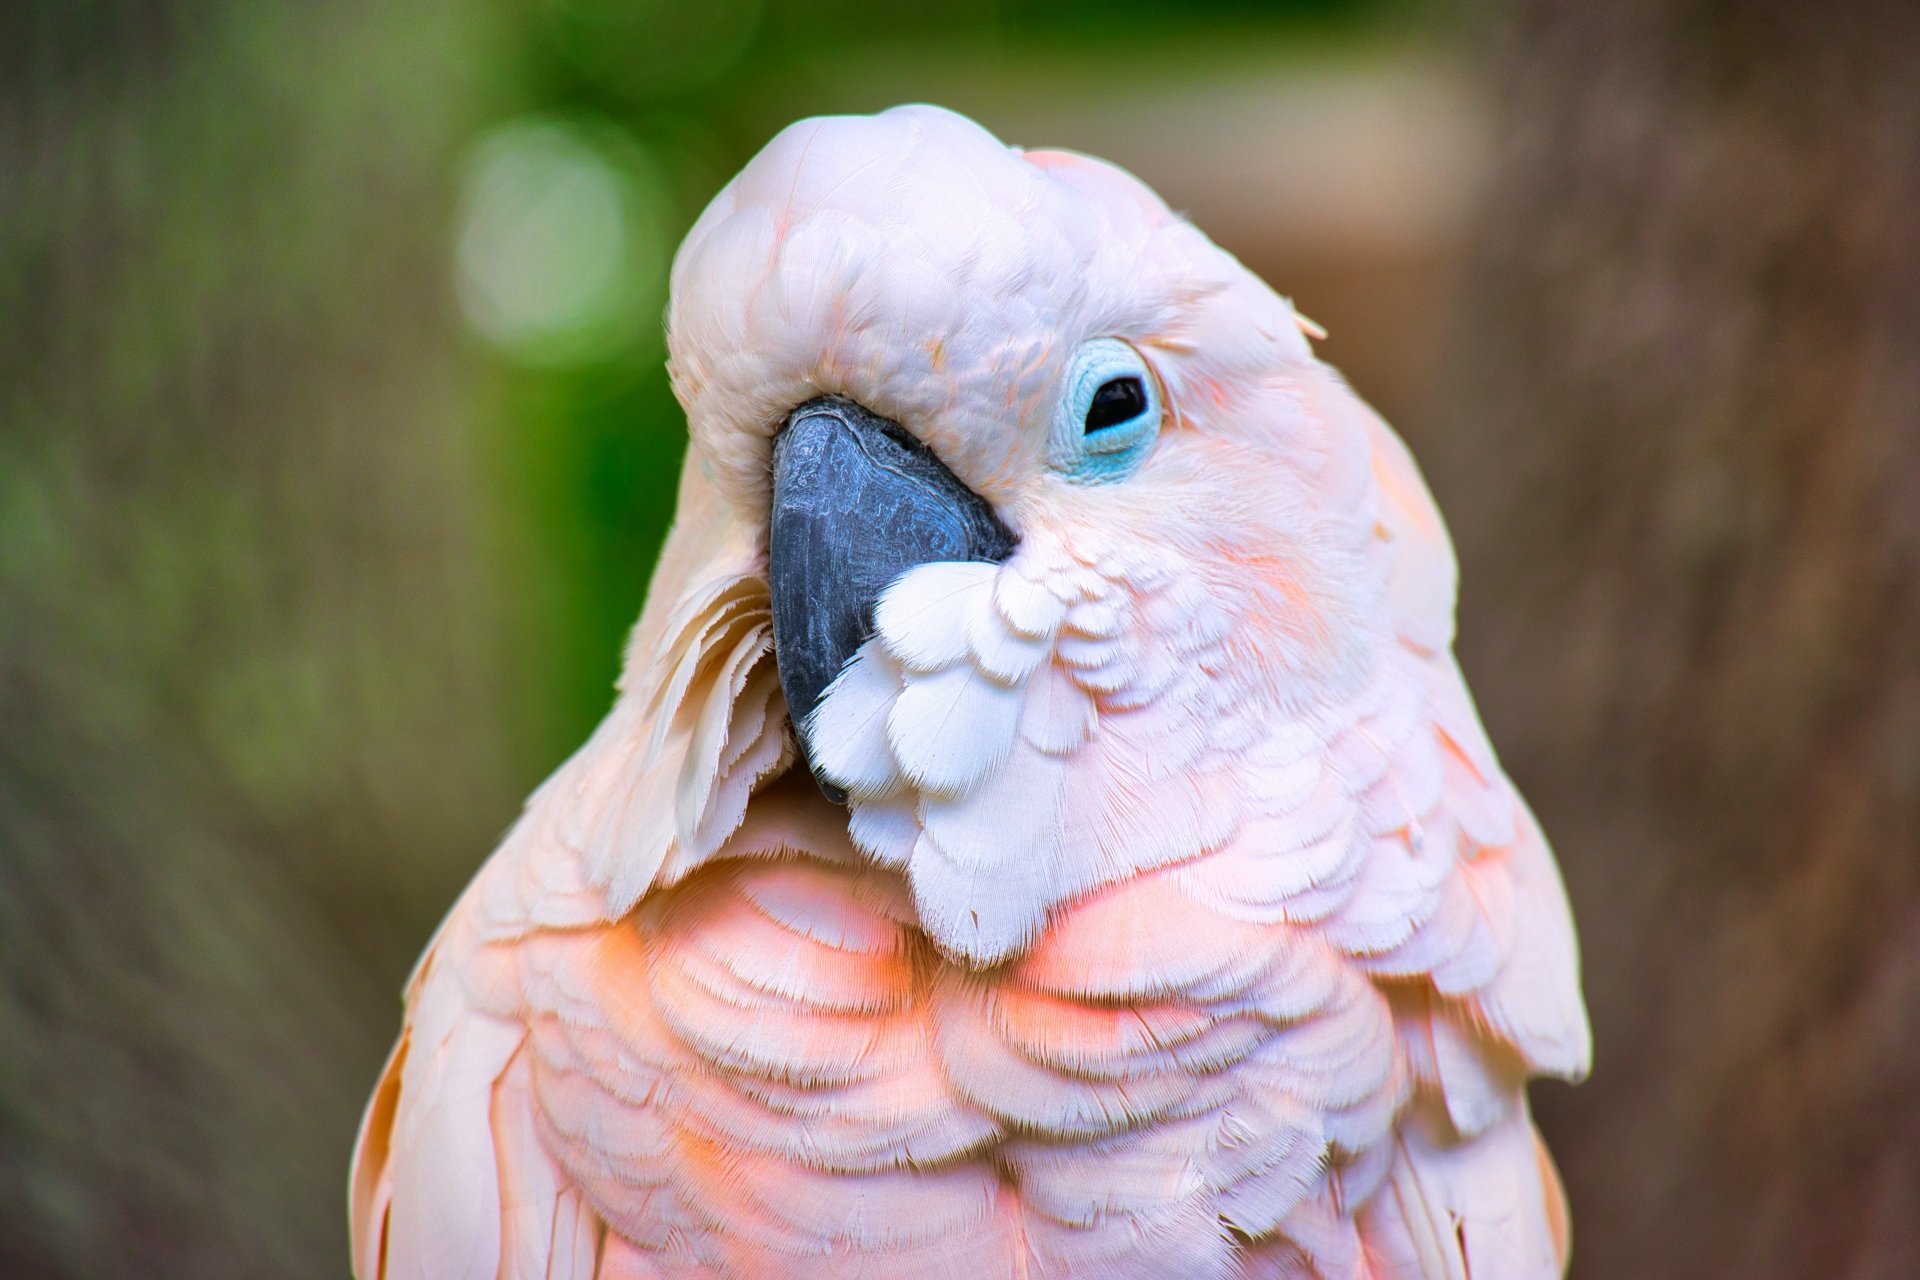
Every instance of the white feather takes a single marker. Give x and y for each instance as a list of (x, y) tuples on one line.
[(951, 729), (885, 828), (1027, 606), (922, 617), (848, 729), (1057, 715), (1001, 652)]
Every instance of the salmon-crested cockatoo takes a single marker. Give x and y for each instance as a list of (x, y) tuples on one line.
[(1042, 830)]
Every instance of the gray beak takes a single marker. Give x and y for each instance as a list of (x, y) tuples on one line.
[(857, 501)]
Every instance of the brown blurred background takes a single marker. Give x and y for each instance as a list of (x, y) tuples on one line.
[(335, 449)]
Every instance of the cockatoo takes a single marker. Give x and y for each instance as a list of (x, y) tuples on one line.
[(1042, 829)]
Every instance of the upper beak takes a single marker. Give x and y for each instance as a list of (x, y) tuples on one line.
[(857, 501)]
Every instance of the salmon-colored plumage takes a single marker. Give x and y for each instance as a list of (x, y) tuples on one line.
[(1181, 922)]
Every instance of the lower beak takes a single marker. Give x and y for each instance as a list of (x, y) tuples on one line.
[(857, 501)]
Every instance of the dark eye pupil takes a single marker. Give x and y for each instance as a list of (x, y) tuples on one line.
[(1117, 401)]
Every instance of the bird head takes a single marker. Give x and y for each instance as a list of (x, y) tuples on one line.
[(1056, 513)]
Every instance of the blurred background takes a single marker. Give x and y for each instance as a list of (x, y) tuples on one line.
[(335, 450)]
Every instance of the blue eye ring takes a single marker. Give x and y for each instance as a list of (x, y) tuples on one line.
[(1089, 443)]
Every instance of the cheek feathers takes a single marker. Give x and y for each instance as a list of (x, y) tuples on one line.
[(1015, 736), (1248, 531)]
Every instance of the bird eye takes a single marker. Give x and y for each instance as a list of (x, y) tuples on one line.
[(1108, 414), (1118, 400)]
